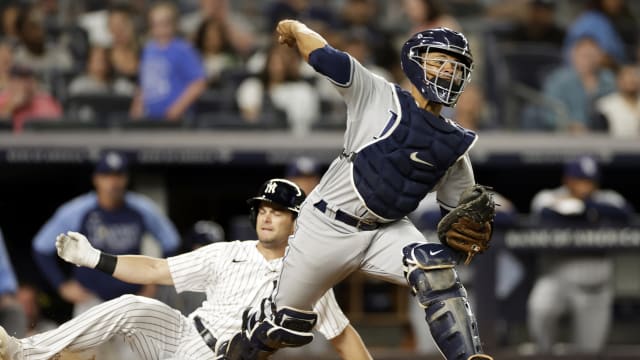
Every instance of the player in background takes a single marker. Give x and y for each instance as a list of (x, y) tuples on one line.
[(234, 275), (116, 220), (12, 316), (579, 283), (397, 149)]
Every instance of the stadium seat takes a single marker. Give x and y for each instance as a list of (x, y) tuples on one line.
[(269, 120), (214, 100), (58, 82), (224, 121), (328, 125), (97, 107), (6, 124), (148, 124), (58, 124), (233, 77)]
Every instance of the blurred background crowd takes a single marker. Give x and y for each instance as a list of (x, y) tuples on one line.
[(556, 66), (561, 68)]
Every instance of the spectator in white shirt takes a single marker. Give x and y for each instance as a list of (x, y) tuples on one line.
[(621, 109), (281, 86)]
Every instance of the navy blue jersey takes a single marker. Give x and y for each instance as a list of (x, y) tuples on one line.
[(117, 232)]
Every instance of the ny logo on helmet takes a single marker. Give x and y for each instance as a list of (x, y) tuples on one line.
[(271, 187)]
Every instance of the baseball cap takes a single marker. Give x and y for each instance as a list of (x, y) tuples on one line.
[(112, 162), (302, 166), (205, 232), (583, 167)]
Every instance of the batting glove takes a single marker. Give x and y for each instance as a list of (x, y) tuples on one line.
[(74, 247)]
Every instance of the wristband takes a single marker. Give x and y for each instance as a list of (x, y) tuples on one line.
[(107, 263)]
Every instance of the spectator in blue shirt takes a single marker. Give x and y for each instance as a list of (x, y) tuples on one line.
[(116, 220), (172, 75), (576, 86), (11, 315)]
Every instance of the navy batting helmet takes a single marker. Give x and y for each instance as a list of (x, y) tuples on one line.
[(429, 78), (278, 191)]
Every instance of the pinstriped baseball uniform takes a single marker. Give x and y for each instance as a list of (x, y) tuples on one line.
[(234, 276), (324, 250)]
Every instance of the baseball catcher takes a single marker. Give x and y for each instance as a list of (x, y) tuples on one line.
[(397, 149)]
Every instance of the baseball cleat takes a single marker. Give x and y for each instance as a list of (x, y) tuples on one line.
[(9, 346)]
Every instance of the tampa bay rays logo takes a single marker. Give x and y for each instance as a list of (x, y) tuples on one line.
[(271, 187)]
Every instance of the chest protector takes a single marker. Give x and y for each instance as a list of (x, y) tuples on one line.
[(396, 171)]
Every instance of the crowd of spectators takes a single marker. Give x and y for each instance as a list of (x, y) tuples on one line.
[(215, 64)]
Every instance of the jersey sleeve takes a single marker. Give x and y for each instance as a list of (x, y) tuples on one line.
[(331, 319), (194, 271), (354, 81), (456, 180)]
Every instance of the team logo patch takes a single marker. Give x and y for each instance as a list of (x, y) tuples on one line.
[(271, 187)]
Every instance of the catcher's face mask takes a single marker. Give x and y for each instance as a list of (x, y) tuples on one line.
[(444, 74)]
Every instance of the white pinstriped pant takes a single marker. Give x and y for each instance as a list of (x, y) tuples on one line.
[(152, 329)]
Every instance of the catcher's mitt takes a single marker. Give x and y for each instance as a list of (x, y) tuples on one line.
[(468, 227)]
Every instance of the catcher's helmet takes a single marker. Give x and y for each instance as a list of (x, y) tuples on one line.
[(278, 191), (436, 86)]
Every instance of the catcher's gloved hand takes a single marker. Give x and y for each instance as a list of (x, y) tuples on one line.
[(467, 228), (74, 247)]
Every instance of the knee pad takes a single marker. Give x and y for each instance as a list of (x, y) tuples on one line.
[(430, 271)]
